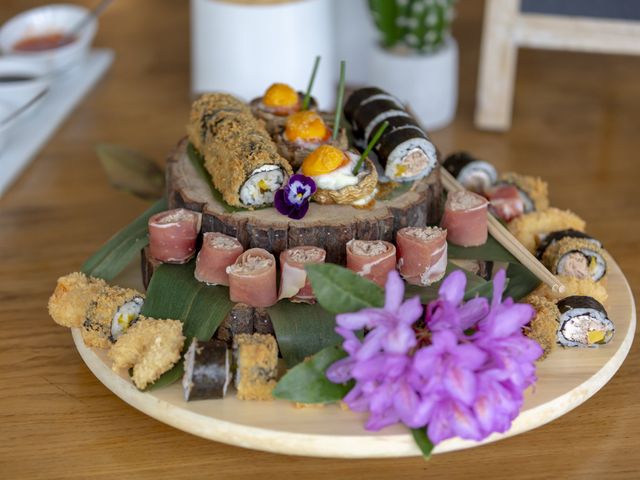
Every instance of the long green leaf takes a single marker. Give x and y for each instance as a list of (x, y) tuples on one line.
[(491, 250), (340, 290), (123, 247), (423, 442), (302, 330), (175, 293), (307, 382), (131, 171), (521, 282)]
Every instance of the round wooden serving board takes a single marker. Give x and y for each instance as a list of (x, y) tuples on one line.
[(567, 378), (326, 226)]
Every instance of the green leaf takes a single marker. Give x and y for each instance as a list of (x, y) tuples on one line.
[(340, 290), (475, 285), (307, 382), (174, 293), (123, 247), (131, 171), (491, 250), (302, 330), (521, 282), (423, 442)]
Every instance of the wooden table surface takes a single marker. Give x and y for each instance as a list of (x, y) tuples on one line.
[(576, 124)]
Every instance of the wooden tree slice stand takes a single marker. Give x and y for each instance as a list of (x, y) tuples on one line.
[(326, 226)]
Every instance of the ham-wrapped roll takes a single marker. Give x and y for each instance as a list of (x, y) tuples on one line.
[(294, 283), (218, 251), (422, 253), (505, 201), (252, 279), (173, 235), (465, 219), (371, 259)]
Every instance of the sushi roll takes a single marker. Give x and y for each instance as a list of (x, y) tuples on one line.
[(575, 257), (256, 358), (543, 328), (71, 298), (110, 314), (366, 95), (533, 191), (553, 237), (252, 278), (583, 323), (278, 102), (207, 372), (304, 132), (332, 170), (465, 219), (294, 283), (422, 253), (505, 201), (475, 175), (218, 252), (210, 109), (531, 227), (173, 235), (371, 259), (150, 347), (574, 286), (243, 161)]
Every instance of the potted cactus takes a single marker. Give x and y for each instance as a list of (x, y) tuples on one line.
[(416, 57)]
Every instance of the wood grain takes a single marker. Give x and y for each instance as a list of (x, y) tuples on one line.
[(576, 125)]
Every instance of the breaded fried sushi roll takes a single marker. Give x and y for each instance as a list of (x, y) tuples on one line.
[(256, 358), (530, 228), (71, 298), (576, 257)]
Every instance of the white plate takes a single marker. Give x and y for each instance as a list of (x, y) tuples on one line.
[(565, 380)]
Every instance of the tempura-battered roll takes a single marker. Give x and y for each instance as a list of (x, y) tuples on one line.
[(583, 323), (543, 328), (294, 283), (252, 278), (532, 190), (531, 227), (575, 257), (256, 358), (110, 314), (218, 251), (371, 259), (574, 286), (422, 254), (552, 237), (207, 110), (173, 235), (71, 298), (465, 219), (475, 175), (207, 370)]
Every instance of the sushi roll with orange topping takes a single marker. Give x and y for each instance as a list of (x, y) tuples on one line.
[(278, 102), (332, 170), (303, 132)]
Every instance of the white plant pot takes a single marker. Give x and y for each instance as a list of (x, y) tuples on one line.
[(242, 49), (427, 82)]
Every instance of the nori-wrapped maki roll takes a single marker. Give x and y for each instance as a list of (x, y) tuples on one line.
[(207, 370), (580, 257), (364, 96), (553, 237), (475, 175), (583, 323)]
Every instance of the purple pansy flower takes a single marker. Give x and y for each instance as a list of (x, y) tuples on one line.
[(292, 200), (461, 373)]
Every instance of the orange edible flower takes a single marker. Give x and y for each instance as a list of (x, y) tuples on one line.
[(280, 95), (306, 125), (324, 159)]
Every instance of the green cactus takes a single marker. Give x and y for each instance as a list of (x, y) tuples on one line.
[(418, 25)]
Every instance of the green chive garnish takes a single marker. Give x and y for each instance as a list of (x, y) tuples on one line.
[(307, 95), (336, 121), (372, 144)]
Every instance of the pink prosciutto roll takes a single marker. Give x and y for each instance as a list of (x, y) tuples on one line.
[(422, 254), (371, 259), (294, 283), (465, 219), (252, 278), (217, 253), (173, 235), (505, 202)]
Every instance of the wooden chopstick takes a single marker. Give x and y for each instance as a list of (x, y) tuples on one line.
[(505, 238)]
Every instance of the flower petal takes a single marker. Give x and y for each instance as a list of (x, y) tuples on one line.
[(299, 212), (439, 428), (499, 281), (394, 292), (472, 312), (405, 401), (410, 311), (461, 384), (464, 424), (399, 340), (340, 371), (353, 321), (452, 288)]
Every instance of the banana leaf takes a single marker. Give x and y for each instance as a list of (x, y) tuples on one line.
[(491, 250)]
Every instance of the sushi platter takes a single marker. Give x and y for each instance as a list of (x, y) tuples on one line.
[(317, 286), (566, 379)]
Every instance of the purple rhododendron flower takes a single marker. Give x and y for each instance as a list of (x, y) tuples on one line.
[(461, 373), (292, 200)]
